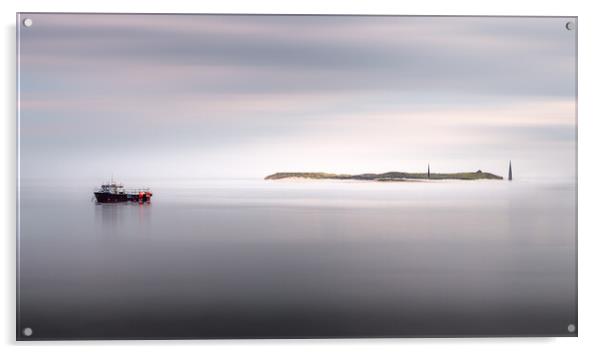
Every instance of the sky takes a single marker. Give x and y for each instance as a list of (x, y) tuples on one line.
[(233, 96)]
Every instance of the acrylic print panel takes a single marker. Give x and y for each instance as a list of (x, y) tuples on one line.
[(237, 176)]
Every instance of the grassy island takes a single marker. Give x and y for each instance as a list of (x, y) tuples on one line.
[(386, 177)]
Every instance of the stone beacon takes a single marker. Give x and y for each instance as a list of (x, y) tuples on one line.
[(510, 171), (428, 171)]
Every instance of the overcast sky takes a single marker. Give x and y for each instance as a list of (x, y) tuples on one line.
[(246, 96)]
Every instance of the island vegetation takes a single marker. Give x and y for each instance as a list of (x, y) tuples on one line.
[(386, 177)]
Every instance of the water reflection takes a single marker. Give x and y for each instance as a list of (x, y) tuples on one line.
[(114, 216), (302, 259)]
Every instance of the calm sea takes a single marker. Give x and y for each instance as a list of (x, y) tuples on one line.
[(255, 258)]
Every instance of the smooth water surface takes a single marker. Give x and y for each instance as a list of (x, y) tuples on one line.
[(255, 258)]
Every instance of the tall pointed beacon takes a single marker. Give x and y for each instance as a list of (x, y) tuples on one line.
[(428, 171), (510, 171)]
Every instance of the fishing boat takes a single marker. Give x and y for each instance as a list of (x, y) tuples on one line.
[(115, 193)]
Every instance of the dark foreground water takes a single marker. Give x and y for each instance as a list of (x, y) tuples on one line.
[(225, 259)]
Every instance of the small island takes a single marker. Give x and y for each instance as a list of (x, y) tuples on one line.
[(386, 177)]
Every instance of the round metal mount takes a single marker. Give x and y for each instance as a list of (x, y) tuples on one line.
[(571, 328), (27, 331), (28, 22), (570, 25)]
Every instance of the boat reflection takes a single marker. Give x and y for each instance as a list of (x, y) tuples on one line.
[(124, 216)]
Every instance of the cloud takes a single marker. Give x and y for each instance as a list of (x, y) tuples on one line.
[(215, 84), (531, 56)]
